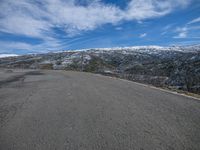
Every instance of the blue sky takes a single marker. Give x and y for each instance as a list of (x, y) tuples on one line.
[(35, 26)]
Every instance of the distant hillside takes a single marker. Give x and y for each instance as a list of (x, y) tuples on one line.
[(177, 67)]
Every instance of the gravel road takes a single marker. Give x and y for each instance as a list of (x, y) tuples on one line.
[(64, 110)]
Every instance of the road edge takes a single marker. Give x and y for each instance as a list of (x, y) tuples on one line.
[(153, 87)]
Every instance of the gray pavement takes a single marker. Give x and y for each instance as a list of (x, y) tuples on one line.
[(63, 110)]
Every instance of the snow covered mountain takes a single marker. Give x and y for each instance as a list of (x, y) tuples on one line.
[(176, 66)]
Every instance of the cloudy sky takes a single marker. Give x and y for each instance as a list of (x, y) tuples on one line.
[(35, 26)]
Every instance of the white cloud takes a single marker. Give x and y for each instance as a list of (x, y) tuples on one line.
[(39, 18), (194, 20), (143, 35), (182, 32), (118, 28), (144, 9), (181, 35), (167, 27), (24, 25), (15, 45), (183, 29), (33, 18), (50, 44)]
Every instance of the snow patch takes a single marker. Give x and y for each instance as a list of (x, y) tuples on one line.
[(8, 55)]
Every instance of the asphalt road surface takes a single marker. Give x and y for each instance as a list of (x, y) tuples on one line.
[(60, 110)]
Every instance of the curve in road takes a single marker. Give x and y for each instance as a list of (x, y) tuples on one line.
[(82, 111)]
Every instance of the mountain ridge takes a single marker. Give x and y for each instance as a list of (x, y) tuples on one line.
[(148, 47)]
